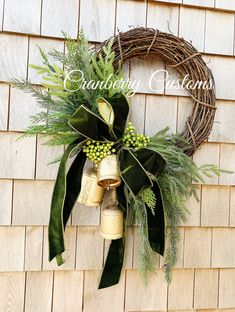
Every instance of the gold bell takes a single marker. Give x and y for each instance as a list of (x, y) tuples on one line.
[(111, 223), (108, 174), (111, 218), (91, 193)]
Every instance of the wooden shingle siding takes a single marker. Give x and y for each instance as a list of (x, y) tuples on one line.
[(180, 295), (223, 127), (33, 248), (221, 27), (223, 69), (89, 241), (226, 288), (141, 70), (22, 107), (38, 294), (232, 207), (84, 215), (215, 205), (13, 56), (206, 289), (169, 1), (4, 98), (184, 111), (204, 275), (12, 242), (6, 202), (223, 248), (130, 14), (18, 159), (22, 16), (45, 170), (227, 155), (58, 17), (151, 298), (12, 291), (67, 291), (137, 111), (97, 18), (159, 112), (31, 202), (163, 17), (206, 3), (104, 299), (225, 4), (188, 18), (197, 247)]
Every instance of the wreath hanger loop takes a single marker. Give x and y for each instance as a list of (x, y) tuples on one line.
[(179, 54)]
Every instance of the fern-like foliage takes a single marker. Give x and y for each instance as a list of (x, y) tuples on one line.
[(149, 199)]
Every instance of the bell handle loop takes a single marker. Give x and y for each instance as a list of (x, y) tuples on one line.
[(113, 201), (94, 166), (111, 205)]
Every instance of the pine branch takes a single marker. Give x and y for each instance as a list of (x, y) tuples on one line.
[(146, 254), (177, 185)]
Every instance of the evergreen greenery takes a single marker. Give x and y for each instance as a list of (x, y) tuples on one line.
[(58, 97), (146, 254), (178, 182)]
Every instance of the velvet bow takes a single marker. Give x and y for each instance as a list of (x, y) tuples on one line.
[(136, 169)]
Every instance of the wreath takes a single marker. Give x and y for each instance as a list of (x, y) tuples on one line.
[(138, 179), (180, 55)]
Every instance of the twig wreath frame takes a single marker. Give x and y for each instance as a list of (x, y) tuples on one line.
[(179, 54), (150, 178)]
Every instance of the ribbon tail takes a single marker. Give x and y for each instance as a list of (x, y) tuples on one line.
[(73, 187), (113, 265), (134, 172), (62, 203), (156, 223)]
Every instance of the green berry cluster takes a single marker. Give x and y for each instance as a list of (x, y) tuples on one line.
[(95, 151), (133, 139)]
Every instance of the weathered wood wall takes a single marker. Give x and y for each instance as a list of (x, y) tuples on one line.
[(204, 278)]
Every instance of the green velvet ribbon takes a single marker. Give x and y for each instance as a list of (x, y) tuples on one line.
[(66, 190), (113, 265), (92, 126), (137, 168)]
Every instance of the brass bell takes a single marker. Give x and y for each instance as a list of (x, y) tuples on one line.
[(108, 173), (91, 193), (111, 217), (111, 223)]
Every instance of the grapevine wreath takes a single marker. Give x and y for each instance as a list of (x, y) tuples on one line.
[(136, 179)]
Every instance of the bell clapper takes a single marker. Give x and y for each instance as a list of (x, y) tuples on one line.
[(108, 172)]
